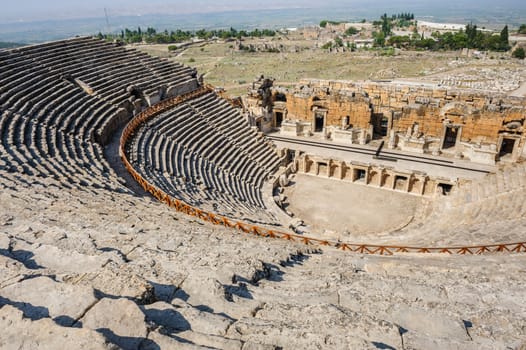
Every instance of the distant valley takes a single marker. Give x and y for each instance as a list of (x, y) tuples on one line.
[(38, 31)]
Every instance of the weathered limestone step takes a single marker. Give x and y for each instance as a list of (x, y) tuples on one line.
[(43, 297), (157, 340), (284, 326), (418, 341), (210, 291), (120, 281), (521, 176), (426, 323), (212, 341), (70, 261), (119, 320), (501, 182), (21, 332), (185, 318), (11, 270)]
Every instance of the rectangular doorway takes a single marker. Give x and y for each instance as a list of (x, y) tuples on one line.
[(384, 124), (359, 175), (444, 189), (319, 122), (450, 139), (506, 147), (279, 119), (400, 182), (322, 169)]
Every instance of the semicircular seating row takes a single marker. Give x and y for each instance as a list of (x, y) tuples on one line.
[(203, 152), (488, 210), (52, 127)]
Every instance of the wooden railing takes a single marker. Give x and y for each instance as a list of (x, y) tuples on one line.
[(216, 219)]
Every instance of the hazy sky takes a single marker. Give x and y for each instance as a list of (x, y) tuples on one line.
[(53, 9), (27, 10)]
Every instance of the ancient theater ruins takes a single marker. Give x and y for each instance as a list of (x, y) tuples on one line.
[(421, 118), (141, 208), (418, 139)]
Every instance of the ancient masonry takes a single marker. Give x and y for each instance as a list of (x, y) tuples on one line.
[(58, 113), (481, 127), (88, 260), (390, 178)]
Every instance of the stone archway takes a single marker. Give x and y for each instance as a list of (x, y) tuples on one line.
[(456, 109)]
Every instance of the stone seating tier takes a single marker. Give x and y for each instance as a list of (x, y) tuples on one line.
[(52, 126), (187, 155)]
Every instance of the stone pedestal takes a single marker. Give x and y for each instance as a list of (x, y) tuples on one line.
[(288, 127), (362, 139), (411, 144), (392, 140), (484, 154), (345, 136), (295, 128)]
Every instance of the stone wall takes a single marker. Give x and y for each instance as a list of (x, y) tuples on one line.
[(388, 178), (482, 114), (338, 106), (443, 120)]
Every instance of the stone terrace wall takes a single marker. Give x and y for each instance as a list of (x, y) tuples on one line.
[(483, 115), (338, 105), (425, 112)]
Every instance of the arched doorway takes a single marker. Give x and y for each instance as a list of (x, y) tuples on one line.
[(280, 97)]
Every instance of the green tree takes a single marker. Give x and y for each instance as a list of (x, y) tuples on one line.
[(323, 23), (399, 41), (352, 31), (256, 33), (427, 44), (203, 34), (379, 39), (493, 42), (522, 29), (225, 35), (504, 36), (471, 32), (386, 26), (327, 46), (519, 53)]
